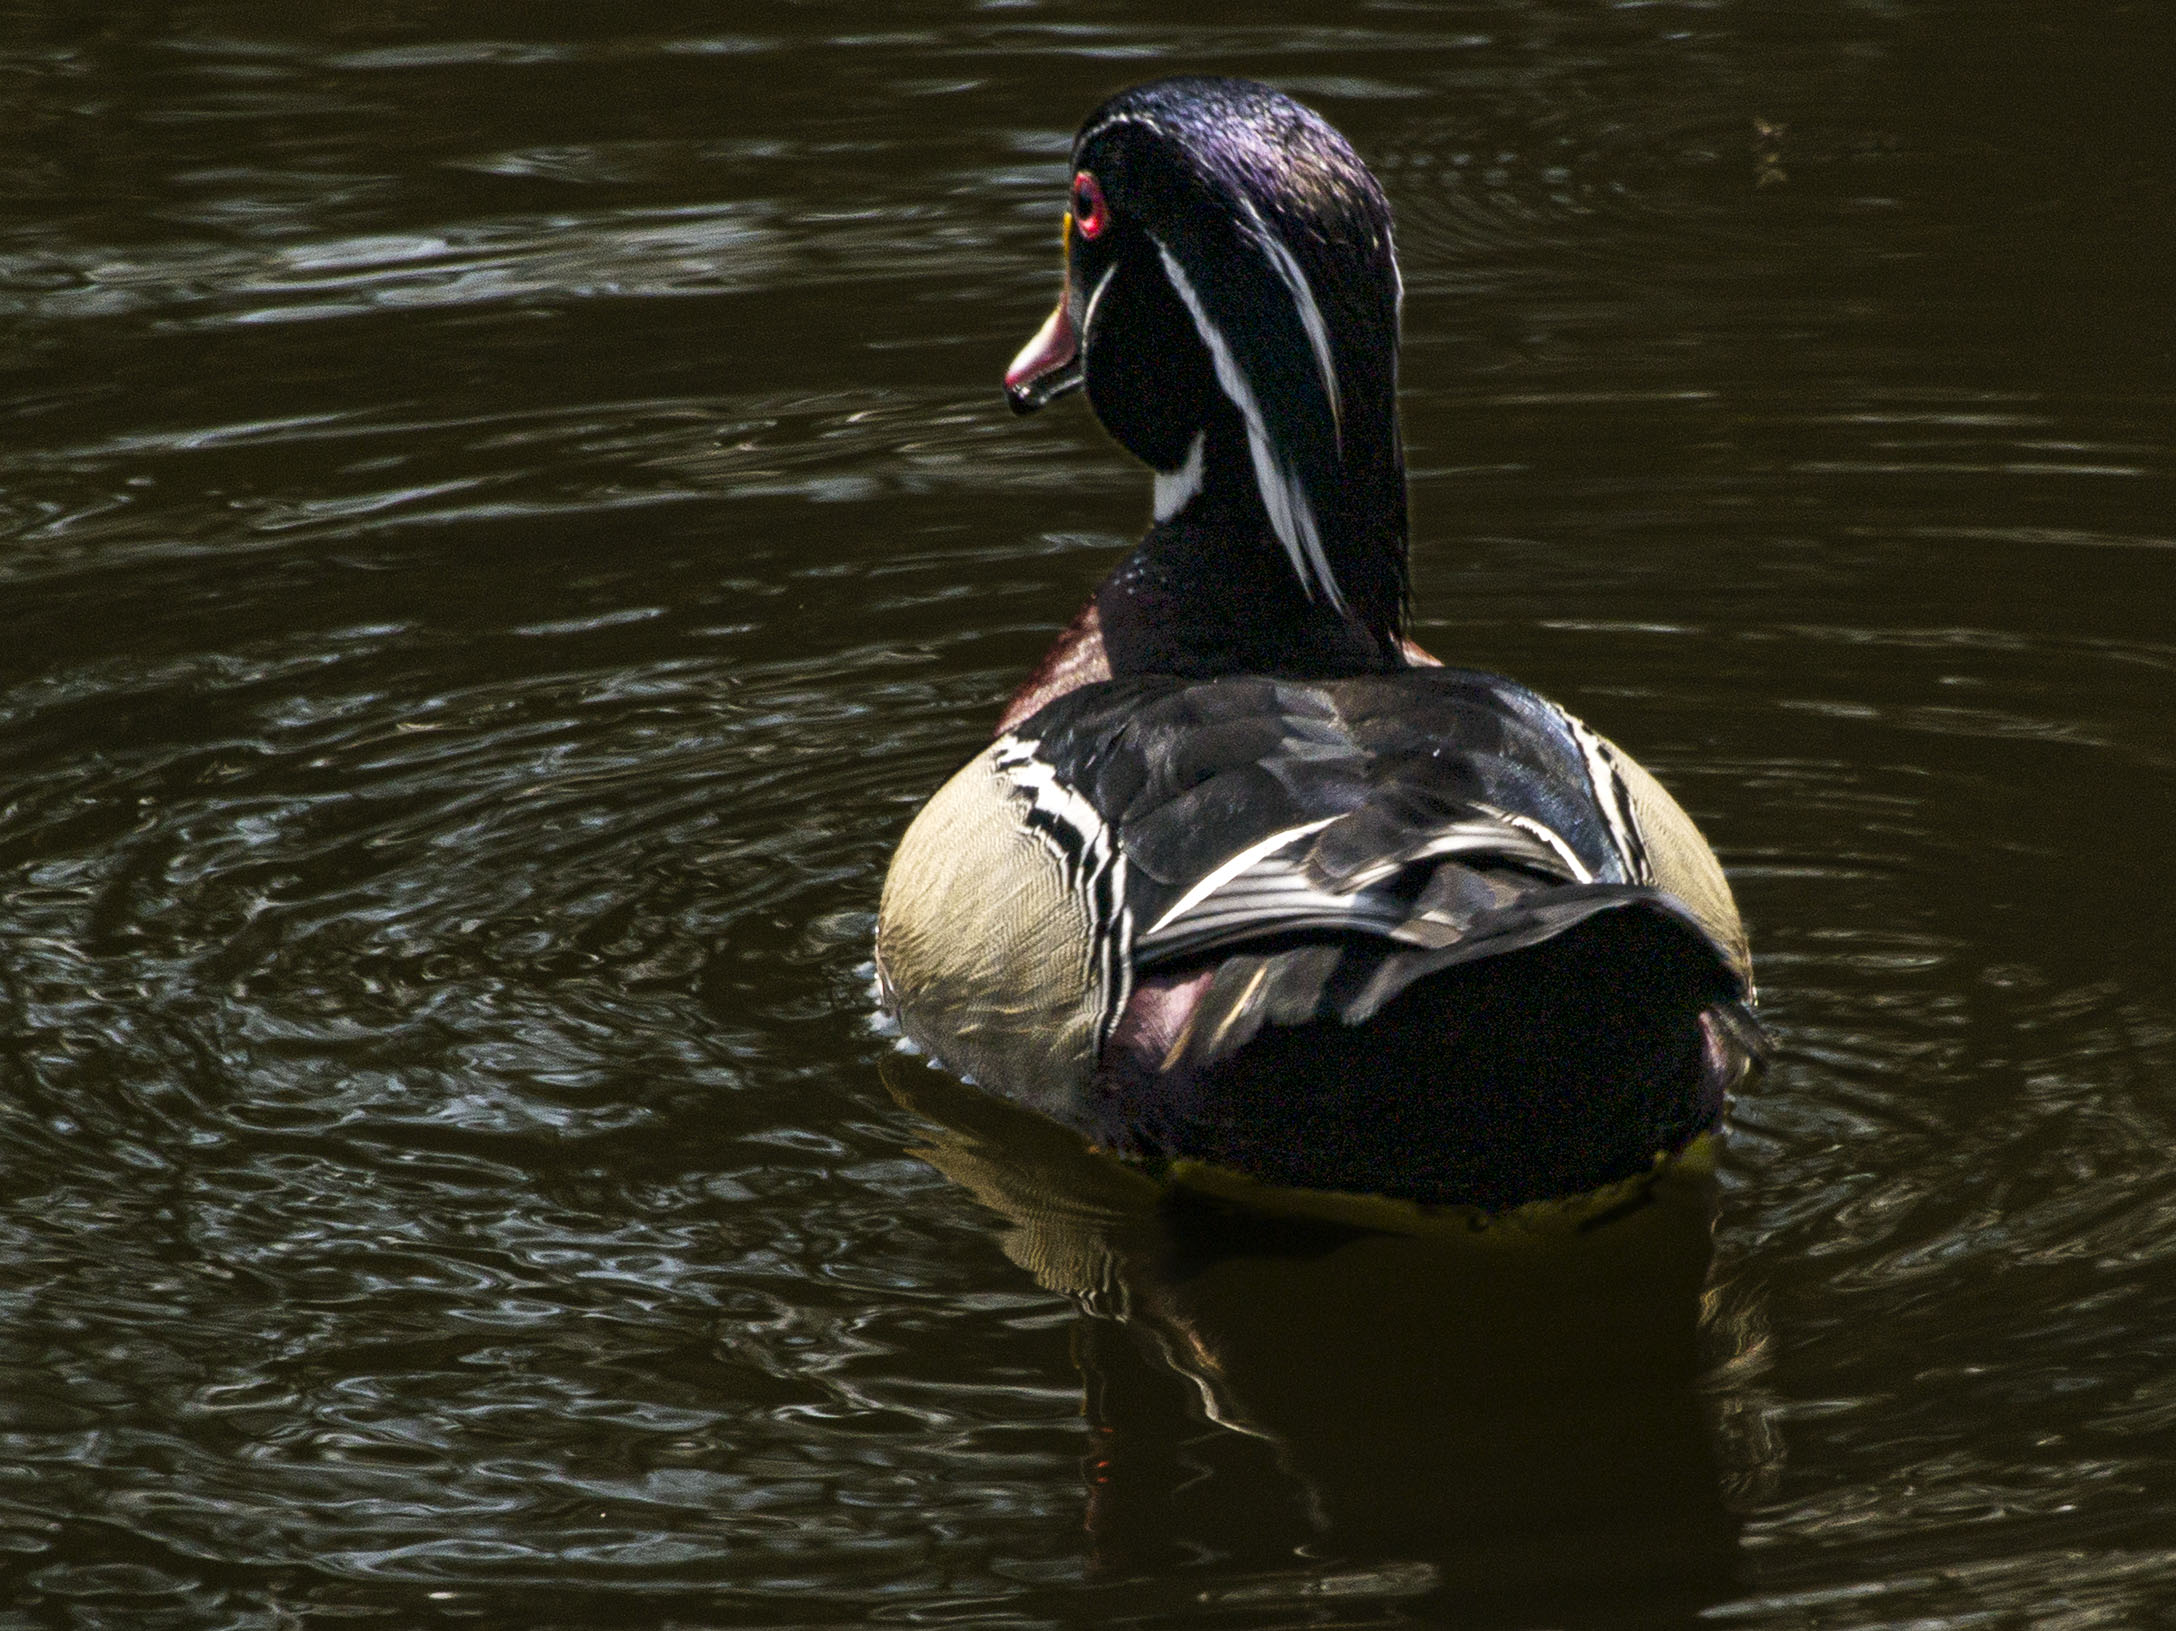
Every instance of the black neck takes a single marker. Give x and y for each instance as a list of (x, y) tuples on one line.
[(1212, 591)]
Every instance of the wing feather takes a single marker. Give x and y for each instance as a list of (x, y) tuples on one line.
[(1436, 808)]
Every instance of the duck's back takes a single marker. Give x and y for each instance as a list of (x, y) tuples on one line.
[(1420, 932), (1355, 925)]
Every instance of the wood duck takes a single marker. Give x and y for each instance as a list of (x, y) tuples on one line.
[(1246, 878)]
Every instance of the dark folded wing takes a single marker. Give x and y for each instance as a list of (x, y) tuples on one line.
[(1435, 807)]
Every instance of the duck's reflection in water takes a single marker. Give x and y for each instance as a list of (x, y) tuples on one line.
[(1509, 1421)]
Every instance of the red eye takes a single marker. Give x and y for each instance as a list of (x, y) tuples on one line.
[(1090, 213)]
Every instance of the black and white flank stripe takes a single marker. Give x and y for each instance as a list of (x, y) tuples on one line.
[(1091, 862)]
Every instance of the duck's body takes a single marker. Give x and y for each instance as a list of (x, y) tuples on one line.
[(1245, 877)]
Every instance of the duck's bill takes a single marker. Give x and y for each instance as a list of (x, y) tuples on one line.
[(1048, 365)]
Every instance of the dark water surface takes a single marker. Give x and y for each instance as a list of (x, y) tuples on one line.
[(504, 511)]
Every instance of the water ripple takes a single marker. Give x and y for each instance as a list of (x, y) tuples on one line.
[(503, 525)]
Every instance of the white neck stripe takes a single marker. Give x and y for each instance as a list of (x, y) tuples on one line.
[(1303, 298), (1290, 515)]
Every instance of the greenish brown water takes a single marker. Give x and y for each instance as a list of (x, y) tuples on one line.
[(504, 512)]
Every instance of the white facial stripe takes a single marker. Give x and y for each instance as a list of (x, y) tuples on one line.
[(1283, 497), (1088, 317), (1175, 489), (1080, 142), (1303, 297)]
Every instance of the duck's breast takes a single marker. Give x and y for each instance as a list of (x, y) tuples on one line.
[(995, 935)]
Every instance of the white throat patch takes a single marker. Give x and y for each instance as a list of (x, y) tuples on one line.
[(1175, 489)]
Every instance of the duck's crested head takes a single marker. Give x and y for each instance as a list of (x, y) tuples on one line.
[(1232, 297)]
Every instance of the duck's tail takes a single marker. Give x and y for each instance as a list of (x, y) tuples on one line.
[(1513, 1038)]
